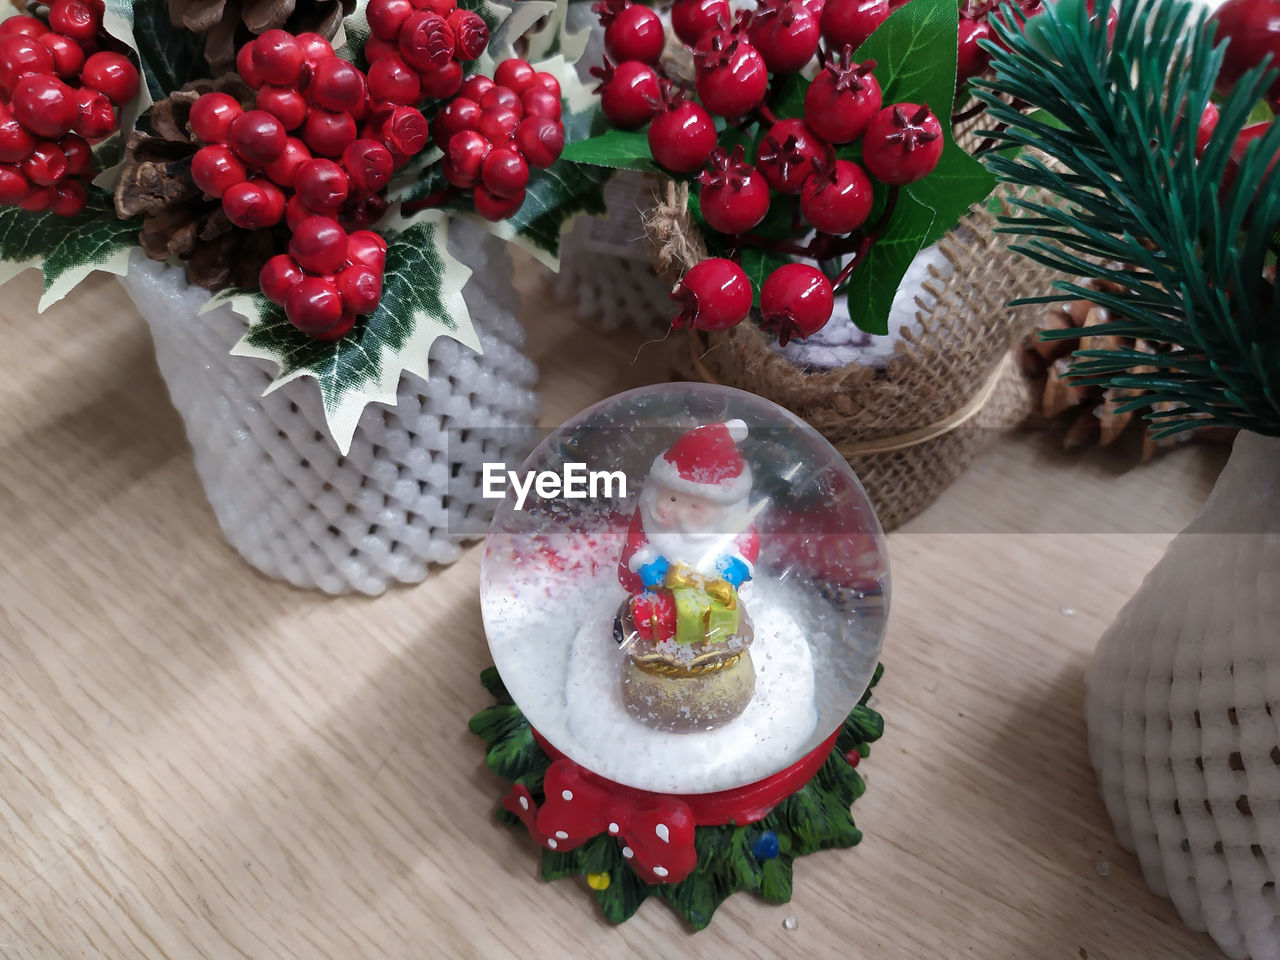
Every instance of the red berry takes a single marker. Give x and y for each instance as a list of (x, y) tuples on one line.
[(464, 158), (902, 144), (14, 187), (78, 153), (16, 142), (734, 196), (328, 134), (45, 105), (365, 246), (21, 56), (391, 80), (386, 17), (319, 245), (442, 7), (848, 23), (285, 104), (254, 204), (1208, 124), (498, 124), (632, 31), (972, 60), (322, 185), (257, 137), (283, 170), (538, 102), (211, 116), (361, 288), (458, 114), (787, 153), (515, 74), (470, 32), (426, 41), (336, 85), (278, 276), (68, 56), (504, 172), (40, 198), (474, 86), (96, 118), (853, 757), (405, 131), (314, 47), (375, 49), (681, 135), (837, 197), (795, 301), (295, 211), (369, 165), (732, 76), (545, 81), (1244, 140), (714, 294), (24, 25), (112, 75), (75, 19), (46, 165), (245, 67), (71, 198), (1253, 29), (492, 207), (314, 305), (693, 19), (786, 34), (842, 99), (541, 140), (500, 96), (443, 83), (278, 58), (215, 169)]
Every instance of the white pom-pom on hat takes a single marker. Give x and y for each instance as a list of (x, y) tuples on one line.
[(737, 430)]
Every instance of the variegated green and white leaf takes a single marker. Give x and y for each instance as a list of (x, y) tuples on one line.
[(554, 39), (421, 300), (66, 249)]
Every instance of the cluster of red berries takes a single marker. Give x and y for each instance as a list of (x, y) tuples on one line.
[(315, 150), (495, 129), (796, 158), (60, 85)]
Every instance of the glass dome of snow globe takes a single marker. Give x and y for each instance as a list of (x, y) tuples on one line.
[(685, 589)]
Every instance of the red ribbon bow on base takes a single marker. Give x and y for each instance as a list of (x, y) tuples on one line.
[(655, 831)]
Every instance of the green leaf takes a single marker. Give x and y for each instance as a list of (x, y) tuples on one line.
[(170, 56), (492, 681), (775, 880), (622, 898), (758, 264), (421, 300), (66, 249), (618, 149), (874, 283)]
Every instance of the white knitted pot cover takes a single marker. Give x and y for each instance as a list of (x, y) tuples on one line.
[(285, 498), (1183, 708)]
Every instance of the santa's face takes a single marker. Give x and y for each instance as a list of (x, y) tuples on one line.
[(683, 512)]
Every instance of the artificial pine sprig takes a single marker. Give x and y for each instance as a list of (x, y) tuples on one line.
[(1114, 123)]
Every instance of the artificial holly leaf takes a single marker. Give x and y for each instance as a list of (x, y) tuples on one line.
[(874, 284), (555, 38), (493, 723), (775, 879), (66, 249), (508, 24), (171, 56), (622, 897), (492, 682), (618, 149), (758, 264), (421, 300), (514, 753)]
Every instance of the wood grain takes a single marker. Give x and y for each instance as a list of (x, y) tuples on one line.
[(196, 762)]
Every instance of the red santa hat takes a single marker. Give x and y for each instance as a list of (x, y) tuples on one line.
[(706, 462)]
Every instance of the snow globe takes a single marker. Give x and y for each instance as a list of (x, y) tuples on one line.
[(685, 593)]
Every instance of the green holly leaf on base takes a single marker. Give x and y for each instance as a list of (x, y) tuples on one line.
[(66, 249), (421, 300)]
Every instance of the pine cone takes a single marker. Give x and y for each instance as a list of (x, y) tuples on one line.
[(179, 220), (227, 24), (1088, 414)]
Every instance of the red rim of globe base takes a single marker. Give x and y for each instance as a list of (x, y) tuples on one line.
[(738, 805)]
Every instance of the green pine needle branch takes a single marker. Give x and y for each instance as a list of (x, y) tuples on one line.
[(1120, 196)]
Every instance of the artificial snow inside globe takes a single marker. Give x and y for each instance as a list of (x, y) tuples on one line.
[(685, 594)]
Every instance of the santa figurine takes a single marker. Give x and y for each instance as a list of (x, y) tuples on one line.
[(690, 550)]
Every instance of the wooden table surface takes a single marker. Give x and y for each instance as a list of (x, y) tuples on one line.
[(197, 762)]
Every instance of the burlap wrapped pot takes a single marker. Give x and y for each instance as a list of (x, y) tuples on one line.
[(908, 428)]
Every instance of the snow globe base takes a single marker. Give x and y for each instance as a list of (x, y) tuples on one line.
[(692, 851)]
